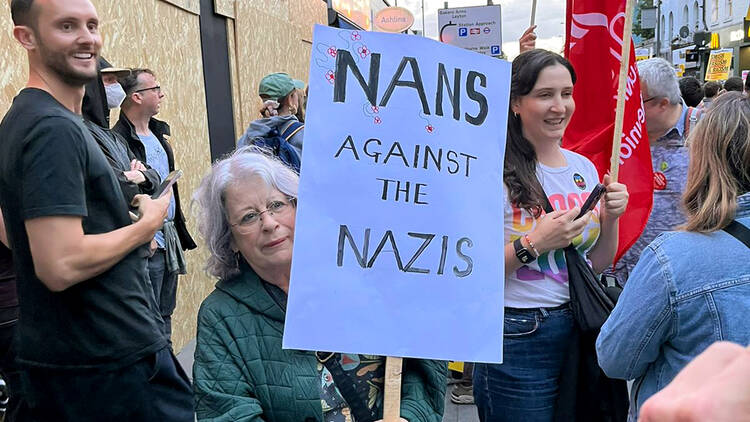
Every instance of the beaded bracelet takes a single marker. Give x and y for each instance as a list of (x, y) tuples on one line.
[(531, 245)]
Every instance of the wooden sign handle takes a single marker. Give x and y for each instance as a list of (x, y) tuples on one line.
[(533, 13), (392, 390)]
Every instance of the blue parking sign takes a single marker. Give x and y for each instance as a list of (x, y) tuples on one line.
[(463, 32), (495, 50)]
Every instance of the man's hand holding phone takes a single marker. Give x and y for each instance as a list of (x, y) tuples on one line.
[(152, 212)]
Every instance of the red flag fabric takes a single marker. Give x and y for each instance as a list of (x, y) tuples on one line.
[(593, 45)]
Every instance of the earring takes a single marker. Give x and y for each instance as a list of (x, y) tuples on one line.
[(515, 114)]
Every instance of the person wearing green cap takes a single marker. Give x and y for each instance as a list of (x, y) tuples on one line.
[(285, 91)]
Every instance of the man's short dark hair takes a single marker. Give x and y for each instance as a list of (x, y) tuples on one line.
[(691, 90), (23, 12), (711, 88), (734, 84), (130, 83)]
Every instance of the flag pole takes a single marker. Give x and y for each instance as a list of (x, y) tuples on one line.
[(620, 110), (533, 13)]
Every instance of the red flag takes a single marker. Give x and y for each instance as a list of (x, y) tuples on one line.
[(593, 45)]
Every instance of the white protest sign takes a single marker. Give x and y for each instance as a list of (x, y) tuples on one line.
[(398, 245), (475, 28)]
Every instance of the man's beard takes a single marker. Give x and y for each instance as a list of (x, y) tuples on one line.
[(56, 61)]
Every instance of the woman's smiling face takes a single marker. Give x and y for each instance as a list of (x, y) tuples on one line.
[(545, 111)]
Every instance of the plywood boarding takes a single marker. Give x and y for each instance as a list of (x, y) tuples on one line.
[(224, 8), (192, 6), (273, 39), (14, 70), (234, 72), (166, 39)]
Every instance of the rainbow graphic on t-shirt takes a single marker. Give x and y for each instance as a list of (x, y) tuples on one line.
[(552, 264)]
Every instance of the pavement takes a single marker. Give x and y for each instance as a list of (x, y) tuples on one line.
[(453, 412), (458, 412)]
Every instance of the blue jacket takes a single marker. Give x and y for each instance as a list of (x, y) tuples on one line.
[(687, 291)]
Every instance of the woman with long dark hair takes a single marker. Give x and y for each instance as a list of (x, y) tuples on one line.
[(538, 319)]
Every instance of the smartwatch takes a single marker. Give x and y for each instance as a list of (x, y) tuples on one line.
[(522, 253)]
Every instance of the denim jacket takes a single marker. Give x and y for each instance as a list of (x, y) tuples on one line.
[(687, 291)]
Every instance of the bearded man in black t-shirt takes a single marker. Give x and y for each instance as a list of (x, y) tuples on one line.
[(89, 342)]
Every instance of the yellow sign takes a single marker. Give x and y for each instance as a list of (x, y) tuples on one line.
[(718, 65), (680, 70), (358, 11), (714, 41), (642, 54), (456, 366)]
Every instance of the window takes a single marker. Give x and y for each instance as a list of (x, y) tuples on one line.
[(728, 9), (714, 11), (696, 16), (671, 27), (685, 16)]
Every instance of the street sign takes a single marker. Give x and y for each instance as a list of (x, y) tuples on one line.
[(642, 54), (393, 19), (473, 28)]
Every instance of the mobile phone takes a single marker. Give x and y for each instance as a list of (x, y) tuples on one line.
[(166, 184), (593, 198), (160, 191)]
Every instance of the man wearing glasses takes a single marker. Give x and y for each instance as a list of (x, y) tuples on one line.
[(146, 137), (668, 121)]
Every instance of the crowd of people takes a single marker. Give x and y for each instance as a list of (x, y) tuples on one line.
[(91, 251)]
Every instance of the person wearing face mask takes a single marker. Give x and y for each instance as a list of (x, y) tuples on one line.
[(101, 95)]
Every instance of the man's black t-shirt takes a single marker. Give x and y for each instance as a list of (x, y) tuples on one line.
[(51, 166), (8, 297)]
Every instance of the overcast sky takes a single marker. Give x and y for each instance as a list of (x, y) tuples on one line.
[(550, 19)]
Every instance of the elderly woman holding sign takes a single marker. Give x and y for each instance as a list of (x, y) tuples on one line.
[(540, 175), (247, 217)]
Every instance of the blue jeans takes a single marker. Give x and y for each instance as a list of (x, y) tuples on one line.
[(164, 284), (525, 386)]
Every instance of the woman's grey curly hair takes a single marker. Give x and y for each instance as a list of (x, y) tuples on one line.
[(208, 200)]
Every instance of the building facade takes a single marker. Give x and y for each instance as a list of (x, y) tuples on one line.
[(679, 20)]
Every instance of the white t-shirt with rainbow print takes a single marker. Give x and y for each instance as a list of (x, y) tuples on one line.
[(544, 282)]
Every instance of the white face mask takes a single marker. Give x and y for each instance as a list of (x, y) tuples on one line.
[(115, 95)]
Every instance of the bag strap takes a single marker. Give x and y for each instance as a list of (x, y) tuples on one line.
[(547, 206), (739, 231), (345, 386), (291, 129), (691, 117)]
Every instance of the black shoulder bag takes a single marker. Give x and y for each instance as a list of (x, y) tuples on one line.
[(739, 231), (591, 300)]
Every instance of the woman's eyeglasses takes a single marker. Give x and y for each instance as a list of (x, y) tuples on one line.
[(249, 221)]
